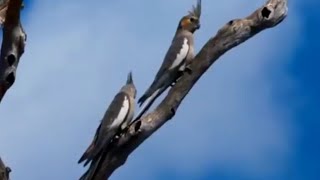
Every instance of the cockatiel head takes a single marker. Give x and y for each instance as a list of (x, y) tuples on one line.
[(130, 87), (191, 22)]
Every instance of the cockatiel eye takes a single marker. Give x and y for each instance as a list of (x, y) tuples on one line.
[(192, 19), (186, 21)]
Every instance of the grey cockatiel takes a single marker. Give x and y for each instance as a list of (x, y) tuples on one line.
[(178, 56), (117, 117)]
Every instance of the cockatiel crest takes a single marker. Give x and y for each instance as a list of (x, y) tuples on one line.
[(191, 22), (196, 10)]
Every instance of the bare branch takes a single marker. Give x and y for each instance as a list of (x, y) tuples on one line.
[(12, 48), (4, 171), (230, 35)]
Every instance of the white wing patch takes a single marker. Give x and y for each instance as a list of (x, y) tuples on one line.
[(122, 113), (182, 54)]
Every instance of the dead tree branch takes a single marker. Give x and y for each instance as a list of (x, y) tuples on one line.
[(12, 48), (4, 171), (230, 35)]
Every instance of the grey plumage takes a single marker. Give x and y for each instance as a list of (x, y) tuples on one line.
[(94, 166), (178, 56), (117, 117), (196, 10)]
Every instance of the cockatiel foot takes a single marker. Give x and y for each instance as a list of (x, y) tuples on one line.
[(174, 83), (180, 74)]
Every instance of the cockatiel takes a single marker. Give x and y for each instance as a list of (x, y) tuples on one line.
[(117, 117), (178, 56)]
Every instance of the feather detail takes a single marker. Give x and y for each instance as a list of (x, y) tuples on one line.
[(182, 55), (122, 113), (196, 10)]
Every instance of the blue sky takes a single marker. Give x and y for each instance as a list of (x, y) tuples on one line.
[(253, 116)]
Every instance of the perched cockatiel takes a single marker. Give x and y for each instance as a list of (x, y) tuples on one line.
[(178, 56), (117, 117)]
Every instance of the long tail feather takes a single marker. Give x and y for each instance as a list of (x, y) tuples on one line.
[(149, 101), (84, 176), (87, 162), (86, 154), (89, 175), (95, 165), (83, 157)]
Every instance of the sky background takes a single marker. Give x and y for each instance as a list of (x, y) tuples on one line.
[(253, 116)]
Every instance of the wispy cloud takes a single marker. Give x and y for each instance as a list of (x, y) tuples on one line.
[(77, 57)]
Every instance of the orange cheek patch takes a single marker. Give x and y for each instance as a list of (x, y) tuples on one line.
[(185, 22)]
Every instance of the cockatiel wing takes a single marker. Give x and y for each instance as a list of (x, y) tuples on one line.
[(110, 124), (175, 56)]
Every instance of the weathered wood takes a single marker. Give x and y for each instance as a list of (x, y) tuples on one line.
[(12, 48)]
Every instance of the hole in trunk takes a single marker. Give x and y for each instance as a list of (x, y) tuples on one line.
[(10, 78), (11, 59), (265, 12)]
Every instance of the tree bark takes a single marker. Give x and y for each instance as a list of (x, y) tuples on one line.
[(12, 48), (230, 35)]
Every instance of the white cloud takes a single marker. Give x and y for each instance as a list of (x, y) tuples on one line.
[(77, 58)]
